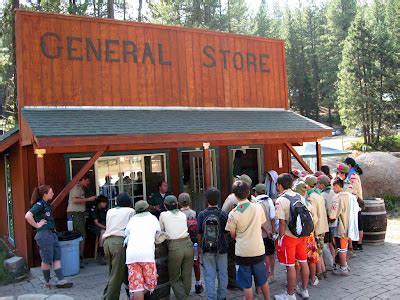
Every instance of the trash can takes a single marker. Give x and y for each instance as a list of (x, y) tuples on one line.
[(69, 244)]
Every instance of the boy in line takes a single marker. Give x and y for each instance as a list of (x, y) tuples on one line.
[(244, 224), (212, 238)]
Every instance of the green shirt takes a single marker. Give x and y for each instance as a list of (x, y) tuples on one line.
[(43, 210)]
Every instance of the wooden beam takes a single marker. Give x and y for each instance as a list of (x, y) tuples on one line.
[(207, 166), (57, 201), (299, 158), (319, 155), (40, 166)]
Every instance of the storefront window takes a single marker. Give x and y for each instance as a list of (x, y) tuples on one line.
[(137, 175), (9, 198)]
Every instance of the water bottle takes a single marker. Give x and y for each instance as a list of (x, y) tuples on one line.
[(70, 225), (196, 251)]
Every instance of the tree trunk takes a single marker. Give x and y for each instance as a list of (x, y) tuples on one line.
[(110, 9), (139, 11), (330, 116), (15, 5)]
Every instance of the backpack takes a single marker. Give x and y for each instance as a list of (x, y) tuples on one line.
[(265, 205), (192, 229), (211, 232), (300, 219)]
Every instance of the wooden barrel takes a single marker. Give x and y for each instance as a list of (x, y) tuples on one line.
[(375, 221), (162, 291)]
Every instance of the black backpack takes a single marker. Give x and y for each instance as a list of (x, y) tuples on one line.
[(300, 219), (211, 232)]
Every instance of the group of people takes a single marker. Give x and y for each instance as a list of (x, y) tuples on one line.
[(298, 217)]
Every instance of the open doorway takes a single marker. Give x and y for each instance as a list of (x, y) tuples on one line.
[(246, 160), (192, 180)]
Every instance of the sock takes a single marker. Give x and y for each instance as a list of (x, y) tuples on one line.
[(198, 282), (59, 274), (46, 274)]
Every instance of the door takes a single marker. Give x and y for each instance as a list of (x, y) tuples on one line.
[(193, 181)]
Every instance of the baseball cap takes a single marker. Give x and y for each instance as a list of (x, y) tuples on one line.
[(170, 200), (342, 168), (310, 180), (141, 205), (325, 180), (184, 199), (260, 188), (245, 178), (300, 187)]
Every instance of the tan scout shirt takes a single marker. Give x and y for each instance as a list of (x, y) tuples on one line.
[(357, 188), (246, 220), (329, 195), (340, 210), (231, 202), (76, 192), (282, 207), (321, 225)]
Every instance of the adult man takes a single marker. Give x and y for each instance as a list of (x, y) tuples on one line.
[(211, 235), (244, 225), (108, 190), (321, 224), (267, 228), (156, 200), (76, 210), (229, 204), (289, 247), (340, 210)]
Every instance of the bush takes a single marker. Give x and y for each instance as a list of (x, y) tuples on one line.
[(387, 143), (392, 202), (5, 276)]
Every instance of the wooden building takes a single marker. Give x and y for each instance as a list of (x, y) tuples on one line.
[(141, 102)]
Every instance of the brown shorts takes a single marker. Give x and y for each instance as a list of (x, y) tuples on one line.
[(78, 221)]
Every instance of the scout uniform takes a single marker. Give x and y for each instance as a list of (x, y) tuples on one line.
[(46, 236), (76, 211)]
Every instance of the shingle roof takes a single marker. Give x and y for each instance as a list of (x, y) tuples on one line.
[(50, 122), (9, 133)]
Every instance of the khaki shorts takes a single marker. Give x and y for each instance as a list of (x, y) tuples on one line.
[(78, 221)]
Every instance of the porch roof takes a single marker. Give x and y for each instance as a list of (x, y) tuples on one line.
[(155, 127)]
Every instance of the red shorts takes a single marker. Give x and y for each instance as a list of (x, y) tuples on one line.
[(290, 249), (142, 276)]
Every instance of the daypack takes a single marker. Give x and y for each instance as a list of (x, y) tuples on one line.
[(192, 229), (300, 219), (211, 231)]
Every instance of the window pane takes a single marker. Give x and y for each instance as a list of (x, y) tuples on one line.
[(10, 210), (155, 172)]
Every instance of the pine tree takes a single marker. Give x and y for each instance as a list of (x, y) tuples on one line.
[(262, 22)]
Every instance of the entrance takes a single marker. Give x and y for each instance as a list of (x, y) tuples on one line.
[(246, 160), (192, 180)]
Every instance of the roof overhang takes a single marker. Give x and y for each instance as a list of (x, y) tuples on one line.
[(9, 138), (152, 128)]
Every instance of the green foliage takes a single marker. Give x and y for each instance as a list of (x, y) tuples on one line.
[(392, 202), (5, 276), (385, 144)]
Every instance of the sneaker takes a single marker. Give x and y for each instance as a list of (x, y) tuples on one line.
[(198, 288), (285, 296), (302, 292), (64, 284), (315, 282), (341, 272)]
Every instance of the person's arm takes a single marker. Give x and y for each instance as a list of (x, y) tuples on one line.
[(271, 210), (162, 226), (31, 221), (98, 224), (282, 228), (79, 200)]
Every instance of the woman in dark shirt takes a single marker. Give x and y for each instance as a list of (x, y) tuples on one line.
[(40, 217)]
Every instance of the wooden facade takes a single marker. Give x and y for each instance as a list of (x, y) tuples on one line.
[(71, 61)]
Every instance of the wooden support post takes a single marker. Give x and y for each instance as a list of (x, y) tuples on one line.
[(319, 155), (60, 197), (207, 165), (299, 158), (40, 166)]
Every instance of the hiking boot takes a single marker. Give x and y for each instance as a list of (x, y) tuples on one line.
[(63, 284), (302, 292), (341, 271), (315, 282), (285, 296), (198, 288)]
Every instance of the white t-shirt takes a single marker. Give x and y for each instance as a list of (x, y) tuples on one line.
[(116, 220), (174, 224), (141, 232)]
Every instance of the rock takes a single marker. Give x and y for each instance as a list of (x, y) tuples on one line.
[(381, 173), (15, 265)]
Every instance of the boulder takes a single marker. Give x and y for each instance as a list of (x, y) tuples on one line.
[(381, 174)]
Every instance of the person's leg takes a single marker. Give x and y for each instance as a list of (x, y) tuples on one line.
[(360, 230), (245, 280), (222, 275), (197, 275), (305, 274), (248, 294), (231, 263), (210, 265), (187, 266), (261, 279), (291, 279), (175, 261), (46, 271), (313, 269), (271, 259), (116, 257), (138, 295), (301, 257)]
